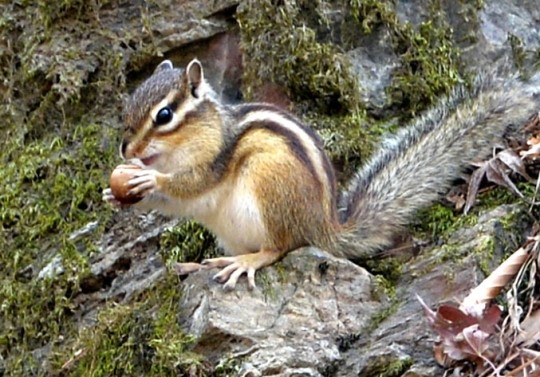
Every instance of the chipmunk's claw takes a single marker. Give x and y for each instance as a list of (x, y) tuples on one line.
[(229, 276), (144, 181), (234, 267)]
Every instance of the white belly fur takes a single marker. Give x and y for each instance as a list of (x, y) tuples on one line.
[(232, 215)]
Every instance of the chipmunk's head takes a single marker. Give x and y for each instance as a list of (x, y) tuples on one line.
[(171, 118)]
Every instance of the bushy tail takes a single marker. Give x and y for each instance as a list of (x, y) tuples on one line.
[(414, 167)]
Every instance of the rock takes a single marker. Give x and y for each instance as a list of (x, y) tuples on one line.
[(373, 63), (293, 324)]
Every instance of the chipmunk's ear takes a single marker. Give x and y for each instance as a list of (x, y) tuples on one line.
[(195, 76), (165, 64)]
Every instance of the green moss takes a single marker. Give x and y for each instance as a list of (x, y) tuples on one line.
[(348, 139), (382, 287), (527, 61), (387, 366), (58, 147), (281, 48), (428, 55), (469, 14), (187, 242), (139, 338), (371, 13), (389, 268), (485, 252), (429, 66), (497, 196), (518, 51), (377, 318), (439, 221), (52, 188)]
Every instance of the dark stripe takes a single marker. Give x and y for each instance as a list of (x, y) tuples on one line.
[(242, 110), (223, 159), (177, 100), (331, 177), (200, 112)]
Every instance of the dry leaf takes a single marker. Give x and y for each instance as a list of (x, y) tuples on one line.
[(496, 170), (530, 329), (474, 186), (463, 336), (533, 152), (495, 282), (514, 162)]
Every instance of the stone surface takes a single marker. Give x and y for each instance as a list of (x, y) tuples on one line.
[(293, 323)]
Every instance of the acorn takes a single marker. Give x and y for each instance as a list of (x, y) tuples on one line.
[(119, 184)]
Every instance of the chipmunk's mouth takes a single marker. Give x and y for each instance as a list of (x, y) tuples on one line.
[(150, 159)]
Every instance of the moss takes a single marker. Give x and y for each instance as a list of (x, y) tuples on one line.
[(389, 268), (281, 48), (427, 52), (469, 15), (52, 188), (381, 288), (139, 338), (439, 221), (377, 318), (187, 242), (485, 253), (527, 61), (387, 366), (348, 139), (429, 67), (58, 146), (497, 196)]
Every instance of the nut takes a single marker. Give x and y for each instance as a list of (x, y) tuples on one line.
[(119, 184)]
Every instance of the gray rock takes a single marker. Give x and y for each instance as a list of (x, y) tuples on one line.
[(373, 63), (291, 325)]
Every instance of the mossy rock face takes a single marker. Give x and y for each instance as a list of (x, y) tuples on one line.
[(59, 142), (281, 48), (64, 69)]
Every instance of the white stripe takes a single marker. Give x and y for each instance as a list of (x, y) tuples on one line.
[(307, 141)]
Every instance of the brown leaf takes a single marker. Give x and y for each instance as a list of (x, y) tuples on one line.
[(533, 124), (492, 285), (495, 173), (530, 329), (454, 319), (456, 198), (490, 318), (514, 162), (474, 185), (533, 152), (476, 339)]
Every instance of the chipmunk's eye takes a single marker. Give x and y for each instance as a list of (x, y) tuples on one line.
[(164, 116)]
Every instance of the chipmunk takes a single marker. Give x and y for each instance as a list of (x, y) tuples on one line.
[(259, 179)]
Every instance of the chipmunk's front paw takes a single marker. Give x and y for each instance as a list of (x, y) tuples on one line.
[(109, 198), (145, 182)]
